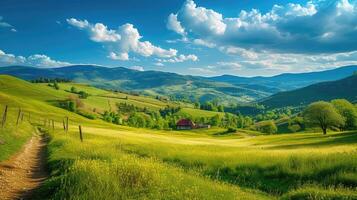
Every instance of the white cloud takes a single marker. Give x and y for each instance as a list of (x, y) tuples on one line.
[(202, 71), (200, 20), (204, 43), (137, 68), (36, 60), (322, 26), (120, 56), (180, 58), (98, 32), (174, 25), (159, 64), (239, 51), (232, 66), (123, 41), (272, 63)]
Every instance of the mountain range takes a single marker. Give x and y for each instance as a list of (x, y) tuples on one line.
[(345, 88), (226, 89), (290, 81)]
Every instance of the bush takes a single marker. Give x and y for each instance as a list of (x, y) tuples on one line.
[(267, 127), (294, 128), (231, 130)]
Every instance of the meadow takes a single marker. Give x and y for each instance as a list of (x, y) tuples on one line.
[(117, 162)]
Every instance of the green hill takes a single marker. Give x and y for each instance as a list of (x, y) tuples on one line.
[(344, 88)]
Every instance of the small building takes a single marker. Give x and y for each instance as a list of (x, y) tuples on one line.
[(185, 124)]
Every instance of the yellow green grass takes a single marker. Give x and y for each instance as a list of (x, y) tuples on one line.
[(116, 162)]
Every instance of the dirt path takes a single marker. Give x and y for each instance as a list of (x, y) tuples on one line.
[(24, 172)]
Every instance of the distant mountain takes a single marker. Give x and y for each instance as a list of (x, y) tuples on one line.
[(289, 81), (146, 82), (345, 88)]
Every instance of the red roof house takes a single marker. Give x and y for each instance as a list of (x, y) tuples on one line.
[(185, 124)]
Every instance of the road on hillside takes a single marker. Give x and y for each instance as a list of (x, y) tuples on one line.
[(25, 171)]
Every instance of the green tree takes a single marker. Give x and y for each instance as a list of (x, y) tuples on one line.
[(348, 112), (220, 108), (323, 115), (73, 90), (55, 85), (71, 106), (83, 94), (267, 127), (215, 120)]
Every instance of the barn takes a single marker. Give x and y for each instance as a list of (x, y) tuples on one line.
[(185, 124)]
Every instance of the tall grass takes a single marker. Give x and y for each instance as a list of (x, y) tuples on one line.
[(98, 169), (13, 137)]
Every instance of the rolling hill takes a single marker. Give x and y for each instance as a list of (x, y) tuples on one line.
[(345, 88), (148, 82), (119, 162), (289, 81)]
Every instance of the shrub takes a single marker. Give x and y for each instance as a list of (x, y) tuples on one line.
[(267, 127)]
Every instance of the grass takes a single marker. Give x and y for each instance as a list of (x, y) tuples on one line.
[(116, 162), (13, 137), (99, 169)]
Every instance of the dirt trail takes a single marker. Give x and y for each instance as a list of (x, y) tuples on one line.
[(24, 172)]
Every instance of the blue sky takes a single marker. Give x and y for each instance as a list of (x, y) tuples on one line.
[(246, 37)]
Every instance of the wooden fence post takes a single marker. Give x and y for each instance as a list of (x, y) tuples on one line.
[(67, 124), (18, 117), (22, 117), (80, 133), (53, 125), (4, 117), (64, 125)]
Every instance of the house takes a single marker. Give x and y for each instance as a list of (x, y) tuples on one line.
[(185, 124)]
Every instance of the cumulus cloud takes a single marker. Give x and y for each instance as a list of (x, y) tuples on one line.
[(124, 40), (201, 21), (98, 32), (174, 25), (36, 60), (315, 27), (180, 58), (119, 56), (137, 68), (204, 43)]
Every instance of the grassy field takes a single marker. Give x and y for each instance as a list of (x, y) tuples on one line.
[(117, 162)]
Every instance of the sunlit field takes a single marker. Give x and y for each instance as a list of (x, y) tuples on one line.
[(117, 162)]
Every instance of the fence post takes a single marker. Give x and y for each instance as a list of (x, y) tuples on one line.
[(80, 133), (67, 124), (18, 117), (53, 125), (64, 125), (4, 117)]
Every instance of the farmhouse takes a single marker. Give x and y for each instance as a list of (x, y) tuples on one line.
[(185, 124)]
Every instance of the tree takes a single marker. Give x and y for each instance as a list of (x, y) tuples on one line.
[(348, 112), (267, 127), (83, 94), (220, 108), (55, 85), (323, 115), (74, 90)]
